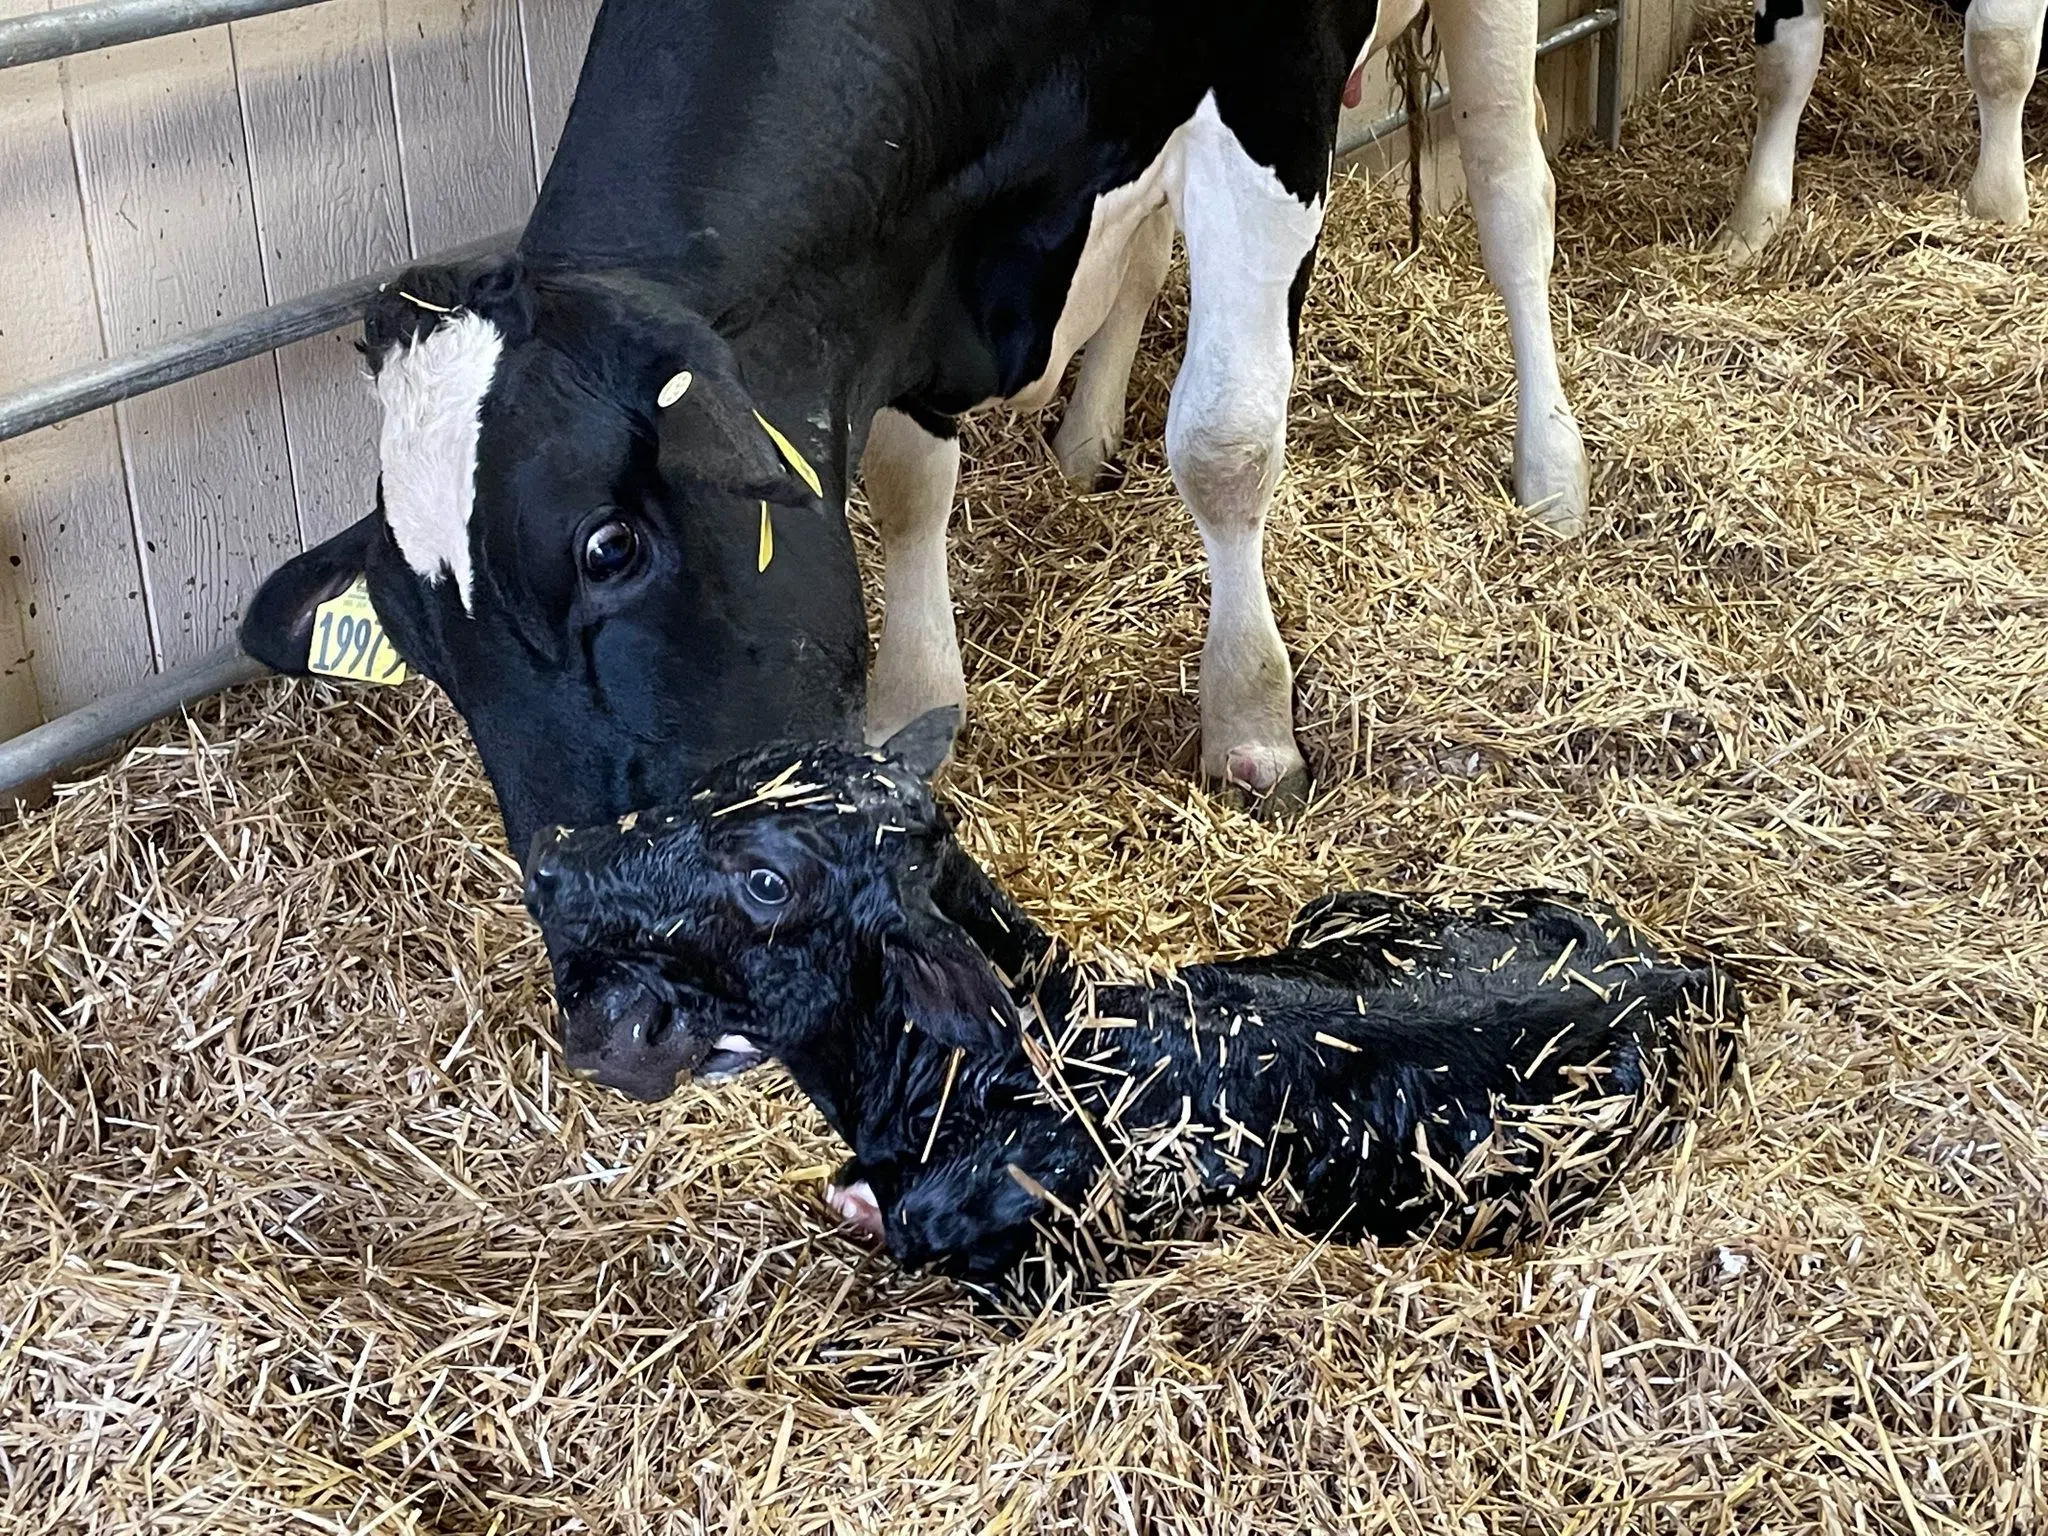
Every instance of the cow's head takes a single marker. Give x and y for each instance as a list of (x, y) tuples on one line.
[(568, 540)]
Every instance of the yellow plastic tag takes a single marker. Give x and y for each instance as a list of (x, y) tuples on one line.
[(795, 460), (767, 540), (349, 641)]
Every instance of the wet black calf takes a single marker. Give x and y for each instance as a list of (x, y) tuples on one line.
[(1471, 1068)]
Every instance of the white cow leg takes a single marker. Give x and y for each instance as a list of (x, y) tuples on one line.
[(1490, 58), (1785, 67), (909, 477), (1226, 438), (1092, 431), (2001, 47)]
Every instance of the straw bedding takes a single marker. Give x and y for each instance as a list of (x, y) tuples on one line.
[(302, 1227)]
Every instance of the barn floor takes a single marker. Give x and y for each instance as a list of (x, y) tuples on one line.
[(302, 1228)]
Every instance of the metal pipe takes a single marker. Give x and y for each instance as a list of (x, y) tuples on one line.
[(201, 351), (38, 754), (1592, 24), (82, 28)]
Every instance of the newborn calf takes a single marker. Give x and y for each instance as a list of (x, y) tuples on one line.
[(1475, 1068)]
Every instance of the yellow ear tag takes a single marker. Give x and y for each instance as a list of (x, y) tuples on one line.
[(675, 389), (767, 539), (349, 640), (795, 460)]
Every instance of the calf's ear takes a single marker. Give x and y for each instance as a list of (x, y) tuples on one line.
[(924, 745), (277, 629), (944, 984)]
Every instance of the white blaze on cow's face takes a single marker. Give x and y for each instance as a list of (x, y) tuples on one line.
[(432, 393)]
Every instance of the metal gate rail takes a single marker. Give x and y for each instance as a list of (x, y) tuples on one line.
[(82, 28)]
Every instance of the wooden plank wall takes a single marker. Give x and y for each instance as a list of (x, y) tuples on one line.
[(163, 185)]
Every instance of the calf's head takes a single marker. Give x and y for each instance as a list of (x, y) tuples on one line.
[(779, 909), (568, 539)]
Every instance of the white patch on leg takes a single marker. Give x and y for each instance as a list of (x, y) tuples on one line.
[(2001, 47), (1785, 68), (1490, 58), (1226, 432), (857, 1206), (432, 393), (909, 477)]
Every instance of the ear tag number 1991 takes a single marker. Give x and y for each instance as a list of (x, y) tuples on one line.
[(349, 640)]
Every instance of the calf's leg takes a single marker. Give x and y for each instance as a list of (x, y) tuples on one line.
[(1788, 39), (1490, 59), (1092, 431), (2001, 50), (909, 475), (1248, 238)]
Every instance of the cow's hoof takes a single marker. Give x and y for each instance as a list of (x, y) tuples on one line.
[(1997, 199), (1743, 238), (1267, 782), (1088, 459), (1553, 479)]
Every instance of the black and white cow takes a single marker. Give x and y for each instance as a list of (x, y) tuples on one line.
[(783, 239), (2001, 51)]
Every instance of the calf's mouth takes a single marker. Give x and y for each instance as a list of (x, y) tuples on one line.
[(627, 1027)]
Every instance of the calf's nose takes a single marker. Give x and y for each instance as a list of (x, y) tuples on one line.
[(622, 1036)]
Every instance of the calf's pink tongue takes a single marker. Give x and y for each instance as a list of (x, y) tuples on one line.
[(1354, 88)]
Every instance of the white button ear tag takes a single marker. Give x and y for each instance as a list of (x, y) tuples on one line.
[(674, 390)]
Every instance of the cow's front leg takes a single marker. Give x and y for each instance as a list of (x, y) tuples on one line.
[(909, 475), (2001, 50), (1490, 58), (1248, 239), (1788, 39), (1092, 431)]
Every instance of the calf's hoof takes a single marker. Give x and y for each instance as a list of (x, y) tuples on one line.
[(855, 1204)]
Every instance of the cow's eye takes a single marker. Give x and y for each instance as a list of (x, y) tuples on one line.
[(611, 551), (766, 887)]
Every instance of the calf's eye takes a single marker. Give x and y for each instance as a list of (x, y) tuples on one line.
[(767, 887), (611, 550)]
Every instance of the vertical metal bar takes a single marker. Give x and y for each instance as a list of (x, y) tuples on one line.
[(1611, 54)]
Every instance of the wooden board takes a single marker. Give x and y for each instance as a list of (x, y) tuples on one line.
[(465, 136), (557, 31), (72, 619), (159, 139), (330, 206)]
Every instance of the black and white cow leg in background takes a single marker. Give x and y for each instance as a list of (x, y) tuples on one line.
[(1092, 431), (2001, 51), (909, 475), (1489, 56), (1788, 42)]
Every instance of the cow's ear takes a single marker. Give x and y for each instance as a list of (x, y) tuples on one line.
[(944, 985), (712, 433), (278, 628), (413, 304), (924, 745)]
